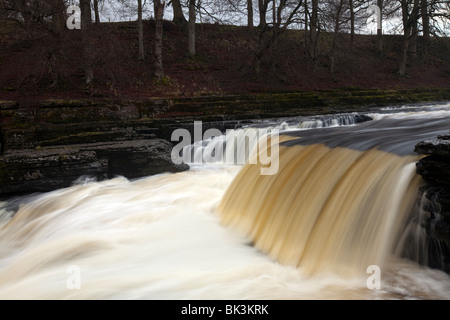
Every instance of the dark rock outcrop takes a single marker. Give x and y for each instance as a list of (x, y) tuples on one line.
[(439, 146), (435, 167), (46, 169), (44, 145), (435, 171), (51, 144)]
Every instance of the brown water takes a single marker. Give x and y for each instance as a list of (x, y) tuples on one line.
[(327, 210)]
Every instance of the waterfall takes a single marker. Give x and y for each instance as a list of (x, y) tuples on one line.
[(327, 210)]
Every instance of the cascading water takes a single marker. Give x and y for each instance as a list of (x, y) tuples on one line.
[(333, 210), (339, 203), (243, 140)]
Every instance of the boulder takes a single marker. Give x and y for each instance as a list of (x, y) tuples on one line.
[(438, 146), (435, 167)]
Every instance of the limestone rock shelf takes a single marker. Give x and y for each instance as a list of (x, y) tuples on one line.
[(49, 168)]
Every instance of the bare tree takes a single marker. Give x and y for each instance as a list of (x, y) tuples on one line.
[(352, 23), (380, 30), (338, 9), (86, 26), (131, 8), (158, 7), (433, 13), (96, 11), (410, 14), (263, 6), (412, 50), (54, 51), (314, 30), (284, 16), (178, 16), (34, 15), (250, 13), (141, 54), (43, 21), (191, 32), (58, 21), (425, 21)]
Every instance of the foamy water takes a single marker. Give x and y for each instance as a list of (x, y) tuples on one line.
[(159, 238)]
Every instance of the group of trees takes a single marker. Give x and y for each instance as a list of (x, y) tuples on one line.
[(417, 19)]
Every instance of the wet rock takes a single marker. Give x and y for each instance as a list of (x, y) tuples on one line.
[(435, 171), (439, 146), (437, 226), (46, 169), (435, 167), (134, 159), (28, 171)]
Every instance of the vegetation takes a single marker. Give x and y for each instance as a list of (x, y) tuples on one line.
[(302, 45)]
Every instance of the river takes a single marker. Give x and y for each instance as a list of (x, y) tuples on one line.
[(222, 231)]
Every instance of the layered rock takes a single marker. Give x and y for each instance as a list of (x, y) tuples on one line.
[(46, 169), (435, 171), (52, 144)]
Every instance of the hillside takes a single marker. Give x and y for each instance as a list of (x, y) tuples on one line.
[(224, 64)]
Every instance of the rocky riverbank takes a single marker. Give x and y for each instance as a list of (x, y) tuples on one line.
[(46, 145), (435, 170)]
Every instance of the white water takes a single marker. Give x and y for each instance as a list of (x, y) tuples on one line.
[(160, 238)]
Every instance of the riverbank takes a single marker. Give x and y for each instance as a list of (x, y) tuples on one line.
[(36, 66)]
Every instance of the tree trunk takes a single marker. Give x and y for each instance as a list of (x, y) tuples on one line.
[(313, 29), (191, 32), (58, 27), (335, 34), (97, 13), (352, 24), (425, 23), (274, 12), (267, 44), (408, 18), (413, 41), (380, 30), (86, 24), (86, 15), (159, 14), (250, 13), (178, 16), (140, 31), (404, 52), (305, 4), (58, 20), (262, 8)]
